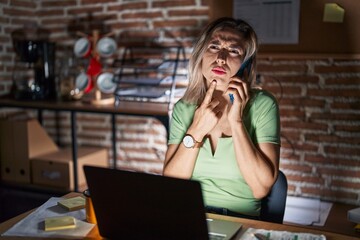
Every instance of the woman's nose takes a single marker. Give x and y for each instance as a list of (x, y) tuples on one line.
[(221, 57)]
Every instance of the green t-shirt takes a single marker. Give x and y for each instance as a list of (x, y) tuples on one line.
[(221, 180)]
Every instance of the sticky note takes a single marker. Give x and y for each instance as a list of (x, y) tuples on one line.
[(357, 227), (72, 204), (59, 223), (333, 13)]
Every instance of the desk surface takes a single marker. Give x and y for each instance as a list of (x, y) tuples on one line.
[(125, 107), (247, 223)]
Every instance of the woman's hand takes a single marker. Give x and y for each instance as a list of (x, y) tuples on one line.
[(241, 94), (206, 115)]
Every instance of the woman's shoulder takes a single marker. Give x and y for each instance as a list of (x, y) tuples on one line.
[(263, 96), (183, 106)]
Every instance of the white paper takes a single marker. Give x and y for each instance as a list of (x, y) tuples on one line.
[(306, 211), (33, 224), (325, 208), (275, 21), (249, 235)]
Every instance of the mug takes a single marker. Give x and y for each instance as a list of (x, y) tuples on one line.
[(83, 82), (106, 47), (89, 208), (105, 82), (82, 47)]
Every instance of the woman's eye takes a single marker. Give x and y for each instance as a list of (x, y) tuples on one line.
[(214, 47), (234, 52)]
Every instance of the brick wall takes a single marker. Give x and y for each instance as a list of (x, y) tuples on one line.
[(319, 96)]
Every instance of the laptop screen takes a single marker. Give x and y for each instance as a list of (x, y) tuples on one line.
[(131, 205)]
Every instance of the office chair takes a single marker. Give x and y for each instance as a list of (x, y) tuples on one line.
[(273, 205)]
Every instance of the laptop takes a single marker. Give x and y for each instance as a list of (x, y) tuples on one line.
[(132, 205)]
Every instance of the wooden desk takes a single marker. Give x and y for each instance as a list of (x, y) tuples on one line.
[(247, 223), (159, 111), (337, 221)]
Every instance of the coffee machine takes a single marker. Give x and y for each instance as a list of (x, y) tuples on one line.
[(34, 68)]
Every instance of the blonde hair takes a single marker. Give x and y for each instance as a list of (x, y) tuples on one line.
[(196, 89)]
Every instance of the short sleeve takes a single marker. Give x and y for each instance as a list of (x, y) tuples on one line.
[(267, 125), (181, 119)]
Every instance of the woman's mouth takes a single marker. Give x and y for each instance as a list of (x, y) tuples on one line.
[(218, 70)]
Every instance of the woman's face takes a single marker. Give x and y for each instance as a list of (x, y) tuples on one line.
[(223, 57)]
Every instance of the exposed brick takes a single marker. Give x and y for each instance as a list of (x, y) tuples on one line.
[(343, 81), (174, 3), (18, 12), (349, 128), (188, 12), (50, 12), (302, 102), (282, 68), (4, 20), (320, 117), (339, 172), (85, 2), (319, 159), (181, 33), (303, 169), (327, 193), (124, 25), (305, 125), (58, 3), (345, 184), (355, 151), (128, 6), (175, 23), (305, 178), (26, 4), (298, 113), (140, 35), (335, 116), (144, 14), (84, 10), (291, 79), (337, 69), (90, 137), (346, 106), (333, 92), (287, 135)]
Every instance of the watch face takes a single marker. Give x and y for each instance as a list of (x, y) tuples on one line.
[(188, 141)]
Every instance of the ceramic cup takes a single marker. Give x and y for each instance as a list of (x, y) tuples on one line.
[(105, 82), (106, 47), (90, 213), (82, 47)]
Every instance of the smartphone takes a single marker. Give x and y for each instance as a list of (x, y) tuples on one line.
[(245, 66)]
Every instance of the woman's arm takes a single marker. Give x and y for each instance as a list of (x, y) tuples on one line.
[(259, 164), (180, 161)]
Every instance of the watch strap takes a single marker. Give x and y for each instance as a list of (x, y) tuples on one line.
[(196, 143)]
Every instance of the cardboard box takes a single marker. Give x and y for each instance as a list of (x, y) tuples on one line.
[(21, 140), (56, 169)]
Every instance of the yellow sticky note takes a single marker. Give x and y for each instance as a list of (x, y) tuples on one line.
[(72, 204), (333, 13), (357, 227), (59, 223)]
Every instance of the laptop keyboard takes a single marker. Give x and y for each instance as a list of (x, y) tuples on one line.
[(216, 236)]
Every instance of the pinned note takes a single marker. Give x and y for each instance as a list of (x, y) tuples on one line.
[(333, 13)]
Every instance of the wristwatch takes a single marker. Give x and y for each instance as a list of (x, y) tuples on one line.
[(190, 142)]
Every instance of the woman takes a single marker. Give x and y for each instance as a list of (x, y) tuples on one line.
[(230, 144)]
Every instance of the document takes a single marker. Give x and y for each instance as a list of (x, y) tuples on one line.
[(275, 21), (34, 224), (271, 234), (306, 211)]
